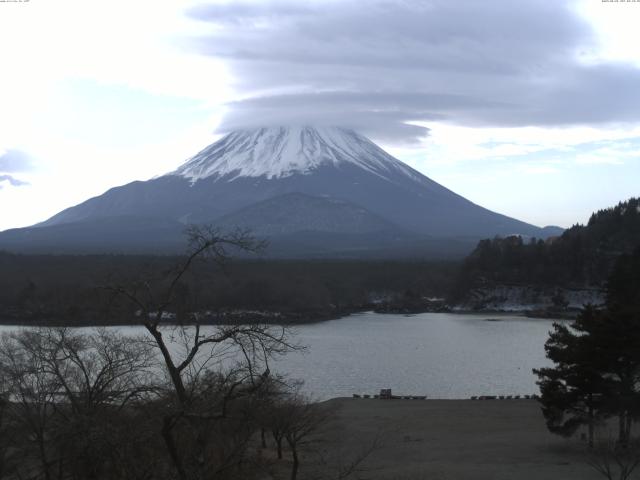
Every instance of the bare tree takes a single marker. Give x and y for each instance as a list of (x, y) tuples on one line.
[(296, 419), (185, 400), (31, 401), (209, 368), (67, 391), (95, 370), (100, 375), (8, 431), (299, 422)]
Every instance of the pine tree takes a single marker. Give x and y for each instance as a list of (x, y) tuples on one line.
[(573, 391), (597, 361)]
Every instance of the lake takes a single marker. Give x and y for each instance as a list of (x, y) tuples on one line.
[(441, 355)]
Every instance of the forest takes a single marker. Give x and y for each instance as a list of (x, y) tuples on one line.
[(72, 290), (583, 256)]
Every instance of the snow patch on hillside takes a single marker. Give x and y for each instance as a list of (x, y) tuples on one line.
[(514, 298)]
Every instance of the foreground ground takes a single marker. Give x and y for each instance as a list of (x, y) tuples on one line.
[(453, 439)]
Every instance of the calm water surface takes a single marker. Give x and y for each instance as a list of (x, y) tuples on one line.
[(441, 355)]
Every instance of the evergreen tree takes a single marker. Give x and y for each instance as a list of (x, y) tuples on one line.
[(621, 342), (597, 361), (572, 391)]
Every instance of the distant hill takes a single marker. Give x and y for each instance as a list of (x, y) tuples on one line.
[(580, 258)]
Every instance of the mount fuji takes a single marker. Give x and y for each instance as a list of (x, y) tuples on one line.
[(309, 191)]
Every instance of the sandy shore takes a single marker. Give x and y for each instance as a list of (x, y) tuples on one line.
[(454, 439)]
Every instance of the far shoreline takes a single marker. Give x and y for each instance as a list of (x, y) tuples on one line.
[(295, 320)]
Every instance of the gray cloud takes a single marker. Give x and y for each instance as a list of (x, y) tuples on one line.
[(14, 161), (12, 181), (376, 65)]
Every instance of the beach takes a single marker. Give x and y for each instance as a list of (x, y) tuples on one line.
[(453, 439)]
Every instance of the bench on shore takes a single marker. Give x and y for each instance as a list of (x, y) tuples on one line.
[(504, 397), (385, 394)]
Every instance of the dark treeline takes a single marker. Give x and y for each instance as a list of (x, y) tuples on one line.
[(582, 256), (67, 289)]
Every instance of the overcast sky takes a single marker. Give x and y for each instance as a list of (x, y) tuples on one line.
[(529, 108)]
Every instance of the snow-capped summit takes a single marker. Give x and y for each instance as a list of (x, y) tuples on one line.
[(277, 152)]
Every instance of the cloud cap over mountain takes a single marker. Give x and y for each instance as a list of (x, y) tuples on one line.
[(377, 65)]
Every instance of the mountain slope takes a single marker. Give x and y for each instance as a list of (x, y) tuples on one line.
[(247, 168), (297, 212), (115, 234)]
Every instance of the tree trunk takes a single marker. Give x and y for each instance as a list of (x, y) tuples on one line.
[(262, 438), (45, 468), (60, 467), (624, 428), (176, 379), (591, 422), (279, 444), (171, 447), (621, 424), (296, 462), (43, 457)]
